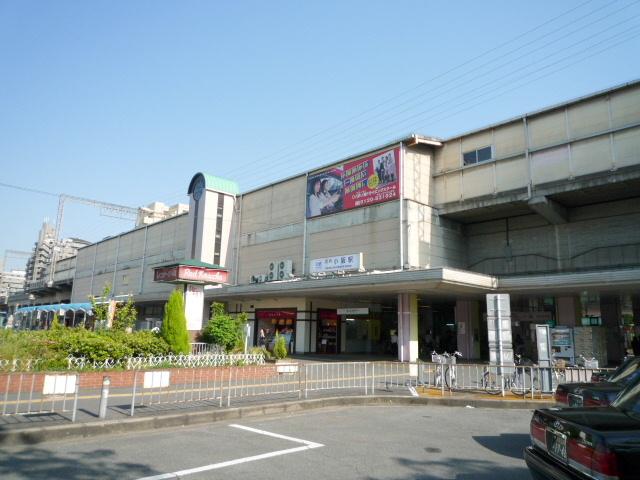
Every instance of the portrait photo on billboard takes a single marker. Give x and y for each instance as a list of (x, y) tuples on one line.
[(385, 167), (325, 193)]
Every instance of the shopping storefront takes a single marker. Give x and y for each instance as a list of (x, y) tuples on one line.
[(271, 322)]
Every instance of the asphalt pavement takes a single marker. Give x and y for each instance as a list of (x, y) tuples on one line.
[(371, 442)]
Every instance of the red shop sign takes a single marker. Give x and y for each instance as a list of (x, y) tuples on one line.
[(268, 314)]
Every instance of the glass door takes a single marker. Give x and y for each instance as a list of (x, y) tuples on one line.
[(327, 336)]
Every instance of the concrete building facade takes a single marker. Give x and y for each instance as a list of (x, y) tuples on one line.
[(392, 251)]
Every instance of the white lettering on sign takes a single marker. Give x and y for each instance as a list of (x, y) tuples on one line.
[(353, 311), (347, 263), (197, 274)]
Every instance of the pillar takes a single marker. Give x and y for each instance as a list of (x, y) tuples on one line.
[(194, 308), (568, 311), (407, 327), (610, 314), (467, 314)]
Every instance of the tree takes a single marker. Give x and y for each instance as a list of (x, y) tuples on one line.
[(125, 316), (280, 347), (55, 323), (101, 310), (174, 324), (223, 329)]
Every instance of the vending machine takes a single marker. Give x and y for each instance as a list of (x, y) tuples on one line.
[(562, 345)]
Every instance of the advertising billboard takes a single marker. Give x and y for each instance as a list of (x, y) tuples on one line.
[(354, 184)]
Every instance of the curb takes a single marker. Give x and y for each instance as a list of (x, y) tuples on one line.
[(31, 436)]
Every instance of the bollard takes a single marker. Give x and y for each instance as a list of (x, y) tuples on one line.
[(104, 397)]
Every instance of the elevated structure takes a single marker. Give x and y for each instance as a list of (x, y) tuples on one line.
[(393, 250)]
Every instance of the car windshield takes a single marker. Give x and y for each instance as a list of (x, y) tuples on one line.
[(629, 399), (627, 372)]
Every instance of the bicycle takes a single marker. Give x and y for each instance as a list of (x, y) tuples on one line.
[(448, 375), (521, 381)]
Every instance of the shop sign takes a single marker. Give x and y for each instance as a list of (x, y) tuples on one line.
[(269, 314), (346, 263), (185, 273), (353, 311), (201, 274), (354, 184), (165, 274)]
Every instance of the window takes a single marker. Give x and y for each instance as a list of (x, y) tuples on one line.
[(477, 156)]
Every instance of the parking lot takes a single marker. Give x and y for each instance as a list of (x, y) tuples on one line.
[(418, 442)]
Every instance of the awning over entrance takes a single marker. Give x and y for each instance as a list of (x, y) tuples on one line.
[(72, 307)]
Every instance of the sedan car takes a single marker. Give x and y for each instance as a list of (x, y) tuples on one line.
[(601, 393), (587, 443)]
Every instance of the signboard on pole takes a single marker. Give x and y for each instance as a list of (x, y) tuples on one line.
[(499, 329)]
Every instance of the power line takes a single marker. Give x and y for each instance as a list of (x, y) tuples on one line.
[(341, 134), (490, 83), (437, 77)]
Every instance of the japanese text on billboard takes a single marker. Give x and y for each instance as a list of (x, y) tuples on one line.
[(354, 184)]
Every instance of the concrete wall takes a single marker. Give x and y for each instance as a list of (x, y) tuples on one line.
[(119, 261), (595, 135), (600, 235)]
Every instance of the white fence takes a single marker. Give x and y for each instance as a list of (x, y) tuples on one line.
[(168, 361)]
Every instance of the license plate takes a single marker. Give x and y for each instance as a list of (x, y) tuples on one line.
[(575, 400), (557, 444)]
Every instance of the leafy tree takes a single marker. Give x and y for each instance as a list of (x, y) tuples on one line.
[(223, 329), (174, 324), (125, 316), (101, 310), (280, 347)]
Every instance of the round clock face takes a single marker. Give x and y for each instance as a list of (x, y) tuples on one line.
[(198, 189)]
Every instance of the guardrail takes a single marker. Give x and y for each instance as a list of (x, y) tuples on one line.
[(223, 385)]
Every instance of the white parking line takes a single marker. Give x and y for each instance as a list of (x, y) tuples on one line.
[(307, 445)]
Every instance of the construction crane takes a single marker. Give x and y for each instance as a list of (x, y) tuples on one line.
[(107, 209), (113, 210)]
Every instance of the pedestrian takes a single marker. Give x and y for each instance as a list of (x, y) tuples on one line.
[(261, 338)]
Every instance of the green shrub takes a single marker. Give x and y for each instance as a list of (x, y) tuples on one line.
[(55, 323), (260, 350), (125, 316), (174, 324), (280, 347), (224, 330), (143, 343)]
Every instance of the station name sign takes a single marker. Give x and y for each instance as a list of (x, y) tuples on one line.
[(340, 263), (189, 274)]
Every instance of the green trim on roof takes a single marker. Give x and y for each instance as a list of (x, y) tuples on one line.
[(191, 263), (217, 184)]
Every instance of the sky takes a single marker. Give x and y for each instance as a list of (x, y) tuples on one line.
[(124, 101)]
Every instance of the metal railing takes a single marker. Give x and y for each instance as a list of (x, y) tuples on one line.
[(168, 361), (202, 348), (225, 385), (39, 393)]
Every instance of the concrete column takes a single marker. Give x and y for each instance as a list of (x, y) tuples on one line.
[(467, 321), (193, 307), (610, 313), (407, 327), (567, 311)]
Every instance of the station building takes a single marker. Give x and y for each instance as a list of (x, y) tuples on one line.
[(392, 251)]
